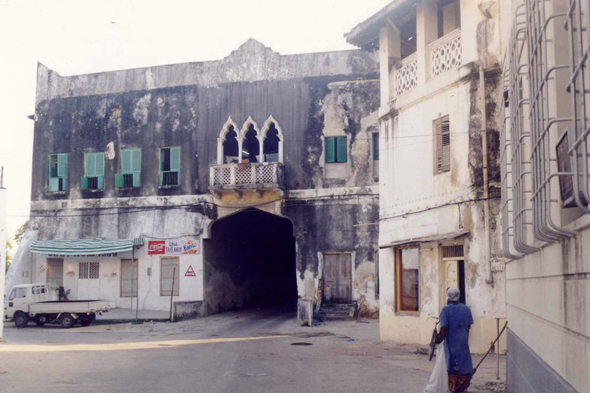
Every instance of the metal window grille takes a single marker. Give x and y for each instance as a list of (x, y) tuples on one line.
[(83, 270), (544, 134), (128, 180), (93, 183), (170, 179), (455, 251)]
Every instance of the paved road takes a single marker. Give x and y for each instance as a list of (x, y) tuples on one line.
[(203, 356)]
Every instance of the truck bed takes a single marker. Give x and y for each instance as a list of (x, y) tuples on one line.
[(70, 306)]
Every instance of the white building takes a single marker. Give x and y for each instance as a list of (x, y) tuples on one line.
[(439, 195), (546, 193)]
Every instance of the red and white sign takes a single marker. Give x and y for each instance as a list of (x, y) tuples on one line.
[(190, 272), (173, 247)]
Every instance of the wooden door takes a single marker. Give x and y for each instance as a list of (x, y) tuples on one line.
[(55, 273), (337, 278)]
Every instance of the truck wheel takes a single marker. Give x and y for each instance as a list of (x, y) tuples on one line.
[(21, 320), (67, 321)]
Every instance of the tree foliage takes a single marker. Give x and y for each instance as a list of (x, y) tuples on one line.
[(8, 256), (20, 232)]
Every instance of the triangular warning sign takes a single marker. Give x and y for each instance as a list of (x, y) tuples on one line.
[(190, 272)]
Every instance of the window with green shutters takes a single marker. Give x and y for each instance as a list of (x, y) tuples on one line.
[(58, 172), (130, 175), (170, 166), (336, 149), (93, 178), (375, 146)]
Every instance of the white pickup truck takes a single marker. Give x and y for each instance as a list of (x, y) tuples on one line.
[(38, 302)]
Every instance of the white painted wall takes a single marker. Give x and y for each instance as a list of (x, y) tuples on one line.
[(191, 288), (417, 203)]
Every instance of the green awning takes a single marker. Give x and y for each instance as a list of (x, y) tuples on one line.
[(83, 247)]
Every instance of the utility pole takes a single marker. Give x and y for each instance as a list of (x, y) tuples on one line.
[(2, 247)]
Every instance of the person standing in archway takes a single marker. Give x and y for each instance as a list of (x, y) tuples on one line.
[(455, 322)]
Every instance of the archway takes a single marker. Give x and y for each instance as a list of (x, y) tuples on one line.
[(250, 262)]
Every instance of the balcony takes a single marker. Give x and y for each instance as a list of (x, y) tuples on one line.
[(406, 77), (246, 177), (445, 53)]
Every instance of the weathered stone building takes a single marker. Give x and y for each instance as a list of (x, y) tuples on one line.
[(248, 180), (440, 168)]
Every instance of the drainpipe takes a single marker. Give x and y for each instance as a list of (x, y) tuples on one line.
[(484, 148)]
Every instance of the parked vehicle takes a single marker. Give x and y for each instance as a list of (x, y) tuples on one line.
[(39, 303)]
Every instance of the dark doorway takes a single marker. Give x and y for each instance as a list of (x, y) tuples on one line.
[(250, 262)]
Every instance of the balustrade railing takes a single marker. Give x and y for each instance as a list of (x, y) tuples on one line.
[(247, 175), (445, 53), (406, 77)]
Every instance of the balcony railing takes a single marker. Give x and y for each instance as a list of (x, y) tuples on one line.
[(406, 77), (246, 176), (445, 53)]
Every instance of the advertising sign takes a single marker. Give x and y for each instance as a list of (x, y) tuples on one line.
[(173, 247)]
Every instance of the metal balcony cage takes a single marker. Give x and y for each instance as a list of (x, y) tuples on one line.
[(544, 123)]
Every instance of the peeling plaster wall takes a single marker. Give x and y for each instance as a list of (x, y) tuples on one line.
[(310, 96), (418, 203)]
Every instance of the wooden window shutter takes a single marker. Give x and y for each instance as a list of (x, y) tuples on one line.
[(136, 160), (99, 159), (330, 150), (119, 180), (443, 146), (174, 159), (53, 184), (126, 161), (341, 149), (62, 165), (90, 165), (376, 146)]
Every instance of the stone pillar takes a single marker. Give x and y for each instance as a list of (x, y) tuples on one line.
[(427, 32), (389, 54)]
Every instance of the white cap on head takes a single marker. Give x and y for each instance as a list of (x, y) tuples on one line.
[(453, 293)]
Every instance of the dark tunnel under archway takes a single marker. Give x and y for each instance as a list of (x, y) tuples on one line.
[(250, 262)]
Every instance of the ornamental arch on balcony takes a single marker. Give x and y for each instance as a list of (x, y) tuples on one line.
[(250, 144)]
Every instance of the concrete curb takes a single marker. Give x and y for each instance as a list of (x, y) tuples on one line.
[(123, 321)]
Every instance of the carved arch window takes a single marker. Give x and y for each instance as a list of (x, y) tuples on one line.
[(228, 145), (250, 142), (272, 137)]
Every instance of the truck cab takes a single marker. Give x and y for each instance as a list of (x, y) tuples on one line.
[(22, 295), (39, 303)]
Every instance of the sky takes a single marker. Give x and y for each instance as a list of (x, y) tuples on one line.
[(82, 36)]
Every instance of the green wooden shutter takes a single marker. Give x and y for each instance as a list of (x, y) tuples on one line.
[(53, 184), (90, 165), (99, 157), (341, 149), (375, 146), (136, 160), (119, 180), (126, 161), (62, 165), (84, 183), (330, 150), (175, 159), (137, 179)]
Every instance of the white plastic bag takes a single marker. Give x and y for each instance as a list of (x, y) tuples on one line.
[(439, 379)]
